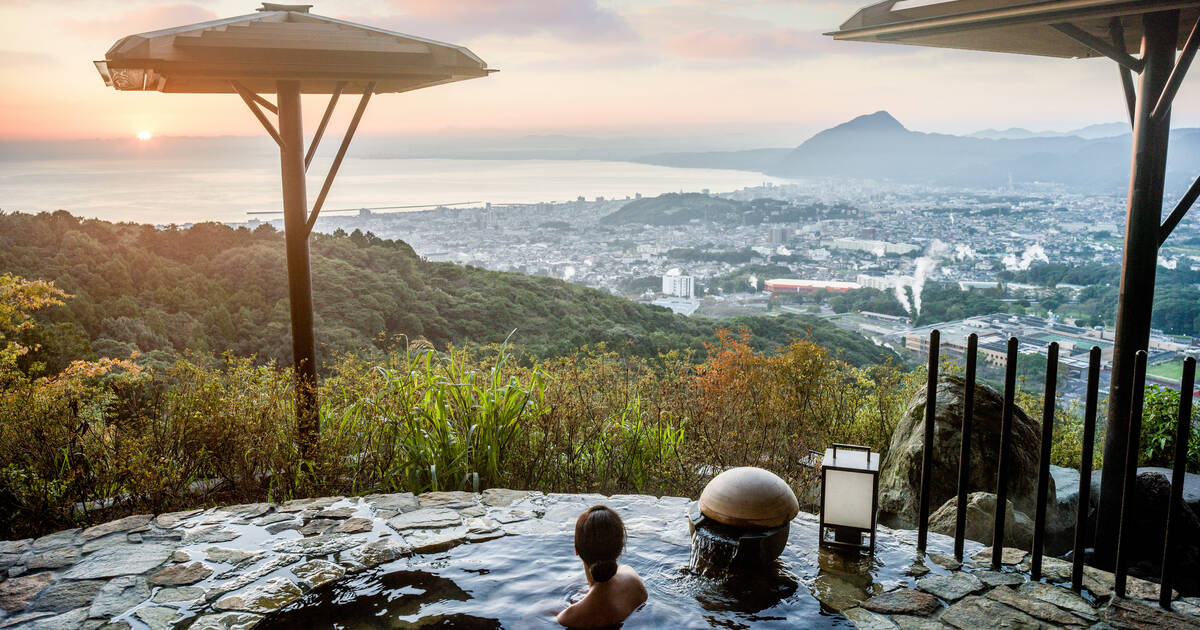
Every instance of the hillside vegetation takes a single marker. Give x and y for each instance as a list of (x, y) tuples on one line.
[(106, 438), (676, 209), (212, 288)]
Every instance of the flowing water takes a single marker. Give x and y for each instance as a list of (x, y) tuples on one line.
[(522, 581)]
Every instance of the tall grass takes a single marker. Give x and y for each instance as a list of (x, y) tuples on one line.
[(110, 438), (426, 421)]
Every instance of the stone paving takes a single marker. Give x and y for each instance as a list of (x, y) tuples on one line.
[(228, 567), (972, 596), (225, 568)]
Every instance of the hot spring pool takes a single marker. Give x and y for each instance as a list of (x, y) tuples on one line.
[(524, 579)]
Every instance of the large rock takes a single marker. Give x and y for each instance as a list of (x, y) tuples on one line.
[(1191, 485), (900, 474), (981, 520), (1152, 492)]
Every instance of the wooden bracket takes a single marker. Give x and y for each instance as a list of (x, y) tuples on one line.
[(1181, 209), (1117, 33), (1095, 43), (341, 153), (1177, 73), (251, 100), (312, 147)]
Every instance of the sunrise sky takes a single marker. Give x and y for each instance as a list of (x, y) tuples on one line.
[(588, 67)]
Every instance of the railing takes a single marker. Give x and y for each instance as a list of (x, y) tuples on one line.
[(1183, 429)]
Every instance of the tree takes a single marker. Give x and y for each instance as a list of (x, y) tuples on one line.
[(18, 299)]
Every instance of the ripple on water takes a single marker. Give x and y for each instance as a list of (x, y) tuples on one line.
[(523, 581)]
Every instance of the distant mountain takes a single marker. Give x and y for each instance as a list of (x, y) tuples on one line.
[(1102, 130), (674, 209), (877, 146), (1090, 132), (1015, 133)]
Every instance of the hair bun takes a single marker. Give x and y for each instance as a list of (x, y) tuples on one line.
[(604, 570)]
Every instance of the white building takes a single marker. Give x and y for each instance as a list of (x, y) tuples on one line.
[(884, 283), (876, 247), (678, 286)]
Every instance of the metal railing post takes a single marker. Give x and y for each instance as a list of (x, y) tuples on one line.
[(964, 451), (1085, 468), (1183, 432), (1039, 519), (1006, 420), (1132, 450), (927, 450)]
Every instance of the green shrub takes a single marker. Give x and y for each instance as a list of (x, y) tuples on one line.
[(1160, 414)]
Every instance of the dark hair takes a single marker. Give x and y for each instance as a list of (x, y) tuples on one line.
[(599, 538)]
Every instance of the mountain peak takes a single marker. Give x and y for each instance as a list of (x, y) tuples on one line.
[(879, 121)]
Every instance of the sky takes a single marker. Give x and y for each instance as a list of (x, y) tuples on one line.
[(758, 71)]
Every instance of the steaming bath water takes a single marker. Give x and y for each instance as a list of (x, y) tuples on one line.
[(522, 580)]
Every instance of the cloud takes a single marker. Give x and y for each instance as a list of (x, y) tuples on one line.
[(565, 19), (17, 58), (141, 20), (712, 43)]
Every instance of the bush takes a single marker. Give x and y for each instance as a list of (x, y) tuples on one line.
[(108, 438), (149, 434), (1160, 414)]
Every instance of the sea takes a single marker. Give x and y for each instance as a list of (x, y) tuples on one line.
[(164, 190)]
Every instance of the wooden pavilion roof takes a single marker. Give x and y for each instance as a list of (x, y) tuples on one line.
[(283, 42), (1011, 26)]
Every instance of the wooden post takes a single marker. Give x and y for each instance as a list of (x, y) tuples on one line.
[(1136, 298), (295, 217)]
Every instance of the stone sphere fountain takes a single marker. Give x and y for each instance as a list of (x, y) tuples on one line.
[(741, 520)]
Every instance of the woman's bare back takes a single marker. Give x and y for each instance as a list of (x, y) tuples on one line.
[(607, 603)]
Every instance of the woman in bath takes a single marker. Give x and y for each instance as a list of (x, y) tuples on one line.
[(614, 590)]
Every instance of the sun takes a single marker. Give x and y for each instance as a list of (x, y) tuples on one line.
[(144, 135)]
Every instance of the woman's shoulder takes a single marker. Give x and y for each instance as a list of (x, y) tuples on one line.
[(630, 576), (627, 571)]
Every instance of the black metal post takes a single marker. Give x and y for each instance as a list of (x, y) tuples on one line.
[(964, 450), (1160, 34), (1085, 468), (1183, 433), (1129, 482), (927, 450), (295, 214), (1006, 420), (1039, 519)]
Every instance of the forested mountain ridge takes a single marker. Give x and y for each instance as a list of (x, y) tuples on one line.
[(214, 288)]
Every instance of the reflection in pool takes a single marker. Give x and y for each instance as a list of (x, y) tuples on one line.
[(521, 581)]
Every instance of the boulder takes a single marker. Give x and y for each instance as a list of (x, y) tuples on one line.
[(1152, 493), (981, 519), (900, 474), (1191, 485)]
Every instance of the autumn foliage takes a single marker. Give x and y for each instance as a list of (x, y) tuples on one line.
[(103, 439)]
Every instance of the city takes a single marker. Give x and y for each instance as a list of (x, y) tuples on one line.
[(824, 237)]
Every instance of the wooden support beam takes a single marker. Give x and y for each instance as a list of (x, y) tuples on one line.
[(1181, 209), (259, 99), (1177, 74), (312, 148), (265, 103), (248, 97), (341, 153), (1117, 33), (1099, 45)]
